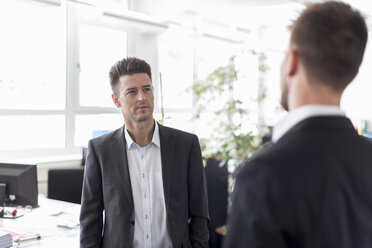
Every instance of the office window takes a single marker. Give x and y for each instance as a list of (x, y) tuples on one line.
[(32, 76), (176, 65), (186, 58), (99, 49), (55, 61), (32, 132), (45, 88), (179, 120), (89, 126), (212, 53), (33, 56)]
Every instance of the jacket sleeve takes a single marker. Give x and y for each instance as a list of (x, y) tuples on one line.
[(253, 217), (91, 213), (198, 200)]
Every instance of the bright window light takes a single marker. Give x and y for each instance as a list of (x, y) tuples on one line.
[(90, 126), (176, 56), (32, 132), (33, 56), (100, 48)]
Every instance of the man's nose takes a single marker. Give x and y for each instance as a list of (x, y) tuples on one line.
[(140, 96)]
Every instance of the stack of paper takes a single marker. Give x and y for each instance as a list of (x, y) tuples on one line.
[(6, 240)]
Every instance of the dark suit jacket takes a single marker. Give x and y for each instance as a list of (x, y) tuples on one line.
[(107, 187), (313, 188)]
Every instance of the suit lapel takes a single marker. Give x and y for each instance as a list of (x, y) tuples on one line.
[(167, 156), (122, 162)]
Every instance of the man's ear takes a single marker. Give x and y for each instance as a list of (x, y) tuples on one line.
[(115, 99), (292, 65)]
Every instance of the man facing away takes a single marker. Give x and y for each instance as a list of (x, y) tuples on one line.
[(144, 184), (313, 187)]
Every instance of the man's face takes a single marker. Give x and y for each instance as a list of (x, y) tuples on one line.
[(284, 83), (135, 96)]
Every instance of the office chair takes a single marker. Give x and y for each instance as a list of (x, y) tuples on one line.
[(65, 184)]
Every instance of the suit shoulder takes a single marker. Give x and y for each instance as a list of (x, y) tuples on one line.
[(177, 132)]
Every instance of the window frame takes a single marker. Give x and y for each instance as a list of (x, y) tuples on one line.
[(142, 41), (72, 107)]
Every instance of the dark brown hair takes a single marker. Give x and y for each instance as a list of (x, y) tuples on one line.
[(330, 39), (128, 66)]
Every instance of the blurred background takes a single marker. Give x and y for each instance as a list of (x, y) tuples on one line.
[(215, 72), (55, 56)]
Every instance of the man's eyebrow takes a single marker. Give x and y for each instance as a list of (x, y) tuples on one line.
[(133, 88)]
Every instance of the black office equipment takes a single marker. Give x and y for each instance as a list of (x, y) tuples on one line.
[(20, 183), (65, 184)]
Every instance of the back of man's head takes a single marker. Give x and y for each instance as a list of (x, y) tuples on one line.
[(330, 39)]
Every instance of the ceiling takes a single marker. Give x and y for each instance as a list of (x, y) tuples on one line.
[(244, 14)]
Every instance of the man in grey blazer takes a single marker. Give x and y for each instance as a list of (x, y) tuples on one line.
[(144, 184)]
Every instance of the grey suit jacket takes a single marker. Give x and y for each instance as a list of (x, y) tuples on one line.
[(107, 210)]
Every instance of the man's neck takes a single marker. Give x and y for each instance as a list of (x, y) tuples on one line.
[(306, 94), (142, 132)]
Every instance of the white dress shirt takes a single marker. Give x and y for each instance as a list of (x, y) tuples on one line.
[(302, 113), (145, 170)]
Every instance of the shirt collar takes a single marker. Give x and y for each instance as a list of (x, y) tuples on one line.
[(155, 137), (302, 113)]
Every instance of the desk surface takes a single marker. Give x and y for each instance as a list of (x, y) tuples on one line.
[(46, 221)]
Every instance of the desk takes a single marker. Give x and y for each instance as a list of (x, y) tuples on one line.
[(44, 220)]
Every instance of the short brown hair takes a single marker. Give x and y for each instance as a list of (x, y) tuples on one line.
[(128, 66), (330, 39)]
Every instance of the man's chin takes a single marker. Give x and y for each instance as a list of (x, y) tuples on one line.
[(144, 118)]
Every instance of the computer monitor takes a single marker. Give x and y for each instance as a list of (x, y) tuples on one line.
[(18, 184)]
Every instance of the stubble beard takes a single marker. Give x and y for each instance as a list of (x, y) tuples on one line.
[(145, 117), (130, 118)]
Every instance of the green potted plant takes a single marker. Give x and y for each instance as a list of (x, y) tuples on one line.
[(229, 141)]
